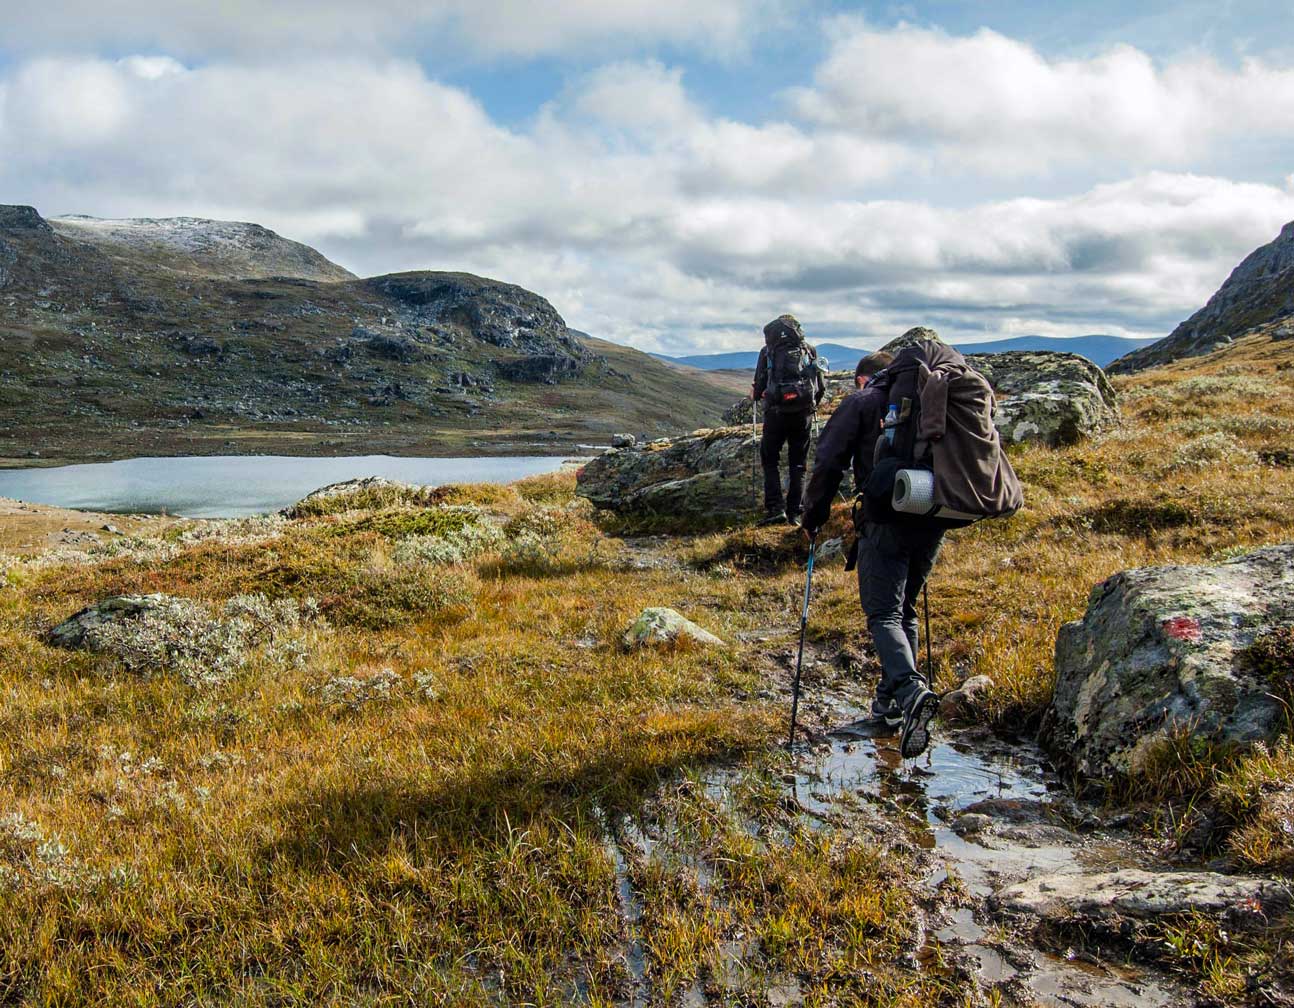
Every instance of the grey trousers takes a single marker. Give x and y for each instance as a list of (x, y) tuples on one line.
[(893, 564)]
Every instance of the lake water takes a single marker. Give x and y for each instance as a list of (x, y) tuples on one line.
[(232, 486)]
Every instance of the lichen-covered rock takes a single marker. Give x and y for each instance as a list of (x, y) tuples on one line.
[(71, 633), (1056, 398), (1164, 650), (705, 479), (657, 626), (912, 337)]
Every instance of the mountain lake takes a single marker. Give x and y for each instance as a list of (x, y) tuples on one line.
[(234, 486)]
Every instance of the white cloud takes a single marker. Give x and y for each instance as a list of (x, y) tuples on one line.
[(998, 104), (642, 216), (485, 27)]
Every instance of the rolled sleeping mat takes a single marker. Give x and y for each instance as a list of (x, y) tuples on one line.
[(914, 493)]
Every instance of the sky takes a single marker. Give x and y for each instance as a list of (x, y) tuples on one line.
[(672, 174)]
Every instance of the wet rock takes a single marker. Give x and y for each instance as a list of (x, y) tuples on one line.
[(1164, 650), (972, 824), (657, 626), (967, 700), (71, 632), (1131, 893), (709, 478)]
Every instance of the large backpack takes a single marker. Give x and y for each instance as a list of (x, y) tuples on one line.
[(792, 376), (963, 476)]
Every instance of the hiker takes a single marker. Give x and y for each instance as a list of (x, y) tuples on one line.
[(790, 382), (926, 409), (868, 366)]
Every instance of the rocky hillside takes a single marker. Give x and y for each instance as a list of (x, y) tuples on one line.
[(183, 336), (1258, 296), (220, 249)]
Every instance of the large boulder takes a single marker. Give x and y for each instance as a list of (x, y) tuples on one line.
[(705, 479), (1047, 396), (1167, 650)]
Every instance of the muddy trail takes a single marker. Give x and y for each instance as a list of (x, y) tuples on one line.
[(987, 813), (976, 814)]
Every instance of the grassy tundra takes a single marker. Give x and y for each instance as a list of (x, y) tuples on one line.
[(387, 751)]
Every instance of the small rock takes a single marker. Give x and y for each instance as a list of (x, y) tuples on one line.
[(972, 824), (623, 441), (967, 700), (71, 632), (111, 529), (831, 549), (659, 625)]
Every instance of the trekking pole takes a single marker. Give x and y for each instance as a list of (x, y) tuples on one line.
[(804, 626), (930, 669)]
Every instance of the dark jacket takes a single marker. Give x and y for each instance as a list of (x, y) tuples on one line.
[(761, 374), (849, 438)]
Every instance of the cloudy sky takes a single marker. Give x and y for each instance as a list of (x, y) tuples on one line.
[(672, 173)]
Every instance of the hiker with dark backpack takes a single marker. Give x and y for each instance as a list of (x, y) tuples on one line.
[(921, 435), (789, 380)]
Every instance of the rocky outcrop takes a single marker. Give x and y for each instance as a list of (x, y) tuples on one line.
[(658, 625), (71, 633), (912, 337), (210, 248), (705, 479), (1260, 291), (1054, 398), (1166, 650), (501, 314)]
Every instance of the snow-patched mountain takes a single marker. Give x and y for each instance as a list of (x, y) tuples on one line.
[(228, 250)]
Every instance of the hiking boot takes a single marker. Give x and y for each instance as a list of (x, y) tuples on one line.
[(887, 709), (793, 519), (916, 723), (772, 518)]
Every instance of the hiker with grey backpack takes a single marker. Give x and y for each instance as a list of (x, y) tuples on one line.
[(789, 379), (920, 436)]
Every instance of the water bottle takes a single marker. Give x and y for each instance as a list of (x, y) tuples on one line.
[(891, 421)]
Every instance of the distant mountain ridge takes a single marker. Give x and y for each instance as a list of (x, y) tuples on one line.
[(184, 336), (1099, 349), (1259, 292)]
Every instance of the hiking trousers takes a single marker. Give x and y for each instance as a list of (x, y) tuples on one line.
[(893, 564), (792, 430)]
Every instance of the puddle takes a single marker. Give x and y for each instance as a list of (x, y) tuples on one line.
[(1003, 799)]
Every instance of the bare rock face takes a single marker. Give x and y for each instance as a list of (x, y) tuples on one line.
[(508, 316), (1165, 650), (1259, 291)]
